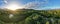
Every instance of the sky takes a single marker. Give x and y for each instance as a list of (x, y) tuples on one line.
[(32, 4)]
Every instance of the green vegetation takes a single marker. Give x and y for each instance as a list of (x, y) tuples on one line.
[(30, 16)]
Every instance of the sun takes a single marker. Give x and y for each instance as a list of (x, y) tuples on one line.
[(13, 6)]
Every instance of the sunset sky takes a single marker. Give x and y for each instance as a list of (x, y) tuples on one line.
[(34, 4)]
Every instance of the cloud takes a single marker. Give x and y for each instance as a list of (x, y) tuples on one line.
[(5, 1), (35, 4)]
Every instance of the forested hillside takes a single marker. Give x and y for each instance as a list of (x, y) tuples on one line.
[(29, 16)]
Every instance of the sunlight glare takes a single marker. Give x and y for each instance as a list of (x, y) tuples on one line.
[(13, 7)]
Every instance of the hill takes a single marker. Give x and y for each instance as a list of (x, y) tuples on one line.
[(30, 16)]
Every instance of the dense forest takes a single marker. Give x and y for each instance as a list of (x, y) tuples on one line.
[(29, 16)]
